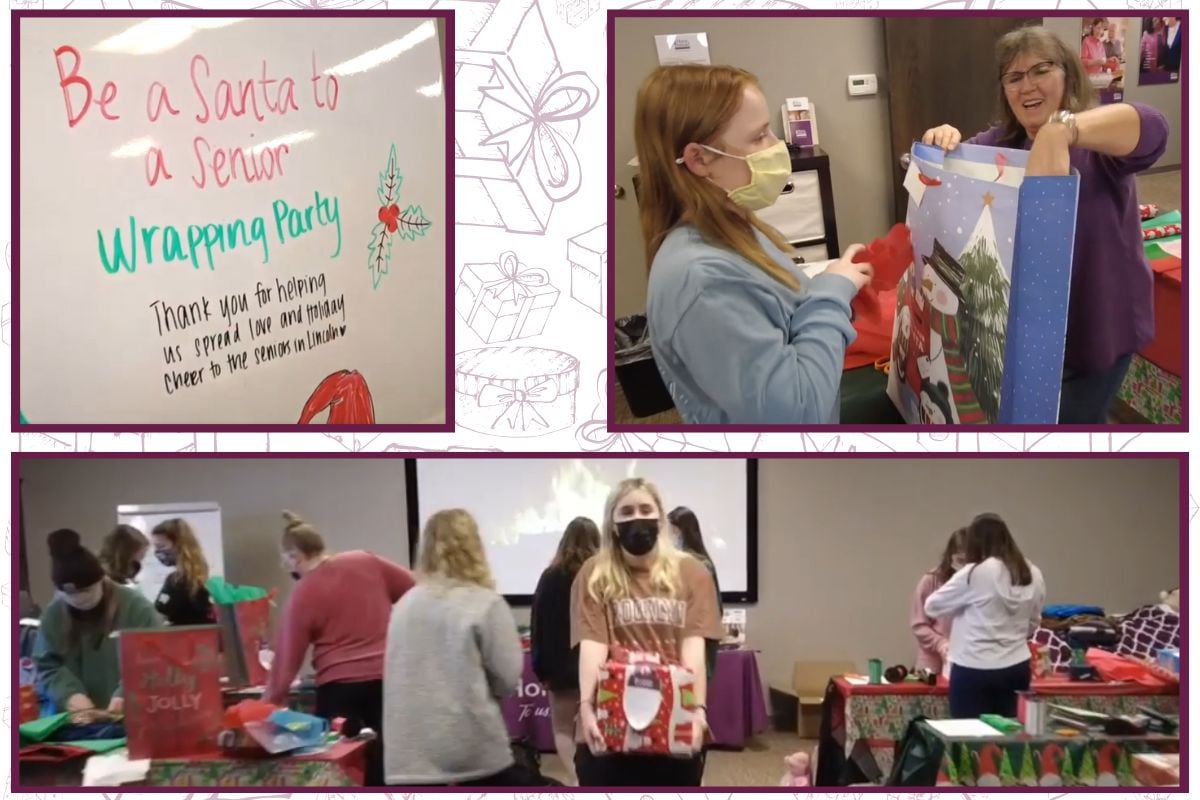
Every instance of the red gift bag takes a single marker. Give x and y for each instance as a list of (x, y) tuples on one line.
[(172, 683), (245, 630)]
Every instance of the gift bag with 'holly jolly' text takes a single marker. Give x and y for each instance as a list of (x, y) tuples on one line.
[(981, 314)]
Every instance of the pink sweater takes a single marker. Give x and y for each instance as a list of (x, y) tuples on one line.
[(342, 609), (933, 635)]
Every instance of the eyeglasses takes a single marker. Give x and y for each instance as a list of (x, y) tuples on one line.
[(1037, 73)]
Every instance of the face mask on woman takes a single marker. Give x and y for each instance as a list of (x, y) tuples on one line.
[(638, 536), (769, 173), (85, 599)]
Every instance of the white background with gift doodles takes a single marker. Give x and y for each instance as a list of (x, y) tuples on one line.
[(548, 187)]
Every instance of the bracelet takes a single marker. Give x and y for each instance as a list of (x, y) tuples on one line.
[(1064, 117)]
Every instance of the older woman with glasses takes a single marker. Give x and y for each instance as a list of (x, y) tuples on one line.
[(1048, 106)]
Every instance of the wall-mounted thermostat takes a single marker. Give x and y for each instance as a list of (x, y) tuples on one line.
[(862, 84)]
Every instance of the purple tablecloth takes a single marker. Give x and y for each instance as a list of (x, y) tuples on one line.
[(737, 707)]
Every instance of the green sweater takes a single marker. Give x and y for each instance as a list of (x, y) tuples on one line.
[(66, 668)]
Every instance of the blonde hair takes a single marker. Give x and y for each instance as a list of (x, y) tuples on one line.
[(191, 566), (1078, 93), (678, 105), (298, 535), (451, 549), (611, 577)]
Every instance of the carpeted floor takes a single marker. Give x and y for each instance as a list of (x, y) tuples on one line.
[(760, 764)]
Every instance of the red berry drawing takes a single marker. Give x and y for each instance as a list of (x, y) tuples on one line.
[(408, 224)]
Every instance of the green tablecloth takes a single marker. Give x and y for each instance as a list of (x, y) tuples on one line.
[(928, 758)]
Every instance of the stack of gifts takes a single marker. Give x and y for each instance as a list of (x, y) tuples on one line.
[(516, 116), (646, 706)]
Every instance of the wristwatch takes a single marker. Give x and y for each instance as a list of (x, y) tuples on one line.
[(1064, 117)]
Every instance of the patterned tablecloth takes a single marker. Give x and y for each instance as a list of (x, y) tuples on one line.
[(1029, 761), (879, 715), (343, 764)]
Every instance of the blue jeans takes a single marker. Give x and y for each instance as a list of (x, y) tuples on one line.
[(974, 692), (1087, 396)]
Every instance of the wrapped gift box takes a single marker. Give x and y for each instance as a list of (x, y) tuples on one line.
[(515, 391), (646, 706), (1156, 769), (1152, 392), (506, 300), (588, 254), (516, 116)]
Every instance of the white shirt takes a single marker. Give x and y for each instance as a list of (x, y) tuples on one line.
[(993, 619), (1172, 32)]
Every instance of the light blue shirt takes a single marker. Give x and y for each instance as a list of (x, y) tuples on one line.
[(734, 345)]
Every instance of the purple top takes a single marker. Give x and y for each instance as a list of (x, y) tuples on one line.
[(1111, 311)]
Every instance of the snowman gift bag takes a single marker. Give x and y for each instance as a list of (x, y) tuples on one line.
[(981, 313), (645, 706)]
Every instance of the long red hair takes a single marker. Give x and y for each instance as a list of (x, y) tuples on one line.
[(347, 397)]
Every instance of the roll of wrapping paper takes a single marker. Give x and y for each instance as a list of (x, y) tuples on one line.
[(1162, 231)]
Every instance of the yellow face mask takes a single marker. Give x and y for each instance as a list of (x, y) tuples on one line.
[(769, 173)]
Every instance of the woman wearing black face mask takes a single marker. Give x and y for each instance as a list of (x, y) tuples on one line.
[(76, 656), (122, 553), (643, 594), (184, 599)]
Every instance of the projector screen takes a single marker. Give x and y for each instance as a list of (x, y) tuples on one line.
[(523, 505)]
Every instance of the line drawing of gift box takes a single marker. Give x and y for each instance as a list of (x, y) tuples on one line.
[(577, 12), (588, 254), (517, 115), (506, 300), (515, 391)]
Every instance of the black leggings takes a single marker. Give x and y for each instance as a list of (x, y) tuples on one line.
[(974, 692), (360, 702), (624, 770)]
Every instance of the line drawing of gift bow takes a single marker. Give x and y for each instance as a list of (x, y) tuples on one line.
[(517, 280), (518, 402), (554, 156)]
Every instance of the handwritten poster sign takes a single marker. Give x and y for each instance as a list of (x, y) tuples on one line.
[(172, 681), (232, 220)]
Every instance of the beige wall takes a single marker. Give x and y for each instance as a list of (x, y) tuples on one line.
[(801, 57), (354, 503), (841, 542), (792, 58)]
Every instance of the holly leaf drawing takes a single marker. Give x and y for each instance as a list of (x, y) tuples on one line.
[(380, 251), (413, 223), (390, 180)]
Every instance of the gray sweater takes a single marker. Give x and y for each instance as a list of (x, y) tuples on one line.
[(452, 653)]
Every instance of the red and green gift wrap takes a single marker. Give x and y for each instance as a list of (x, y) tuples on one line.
[(172, 682), (626, 688)]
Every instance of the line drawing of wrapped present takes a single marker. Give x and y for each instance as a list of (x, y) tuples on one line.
[(576, 12), (588, 254), (506, 300), (517, 115), (515, 391)]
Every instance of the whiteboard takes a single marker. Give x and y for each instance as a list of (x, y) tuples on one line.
[(205, 519), (302, 232)]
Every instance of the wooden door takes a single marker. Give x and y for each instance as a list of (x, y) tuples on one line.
[(940, 69)]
